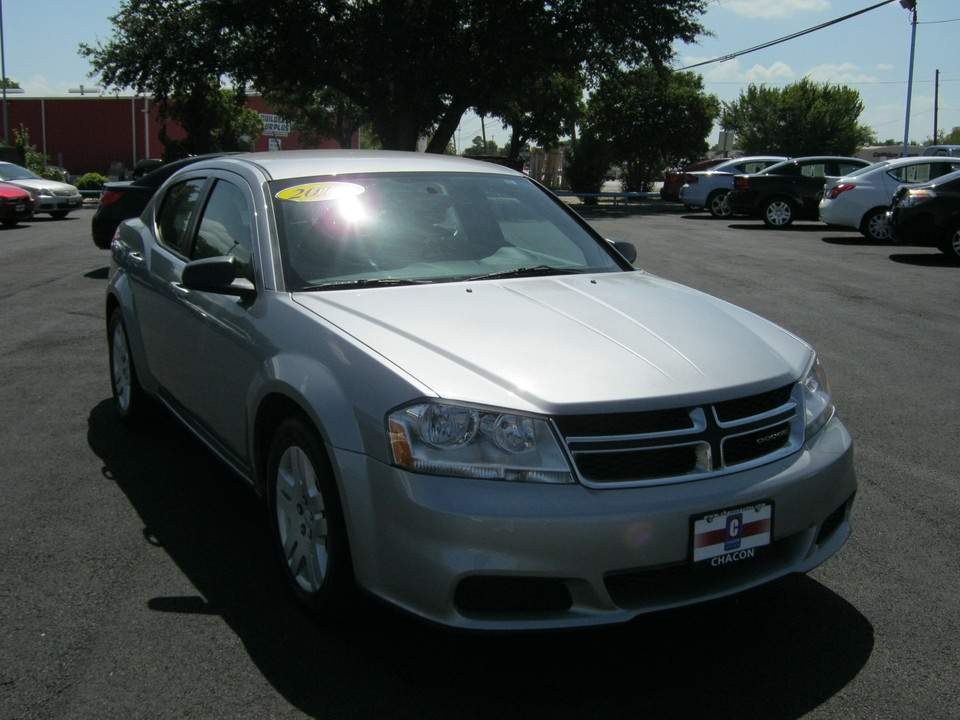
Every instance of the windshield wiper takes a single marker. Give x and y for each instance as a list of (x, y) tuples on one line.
[(535, 271), (366, 282)]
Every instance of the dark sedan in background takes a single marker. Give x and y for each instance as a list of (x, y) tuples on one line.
[(127, 199), (929, 214), (790, 190)]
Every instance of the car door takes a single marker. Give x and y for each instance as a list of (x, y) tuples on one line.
[(200, 344), (227, 347)]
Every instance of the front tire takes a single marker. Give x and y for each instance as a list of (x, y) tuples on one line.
[(779, 213), (128, 395), (717, 204), (874, 225), (306, 518)]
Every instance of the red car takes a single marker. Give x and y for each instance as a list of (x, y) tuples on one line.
[(675, 178), (16, 204)]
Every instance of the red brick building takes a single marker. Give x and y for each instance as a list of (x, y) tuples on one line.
[(92, 133)]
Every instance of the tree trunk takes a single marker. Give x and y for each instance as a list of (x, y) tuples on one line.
[(447, 127)]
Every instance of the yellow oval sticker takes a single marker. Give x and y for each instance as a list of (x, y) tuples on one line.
[(319, 192)]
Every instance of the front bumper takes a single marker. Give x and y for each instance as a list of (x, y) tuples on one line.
[(57, 203), (495, 555)]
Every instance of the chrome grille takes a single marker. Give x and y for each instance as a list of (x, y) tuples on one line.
[(679, 444)]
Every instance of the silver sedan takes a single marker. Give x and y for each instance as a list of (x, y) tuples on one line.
[(453, 394)]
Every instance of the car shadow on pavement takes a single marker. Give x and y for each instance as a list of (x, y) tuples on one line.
[(931, 259), (775, 652), (793, 227)]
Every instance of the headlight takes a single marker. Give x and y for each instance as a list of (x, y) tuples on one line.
[(460, 441), (817, 400)]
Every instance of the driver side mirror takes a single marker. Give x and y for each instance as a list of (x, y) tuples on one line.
[(626, 249), (217, 275)]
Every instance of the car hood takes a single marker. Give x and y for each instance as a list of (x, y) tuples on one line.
[(54, 186), (573, 343)]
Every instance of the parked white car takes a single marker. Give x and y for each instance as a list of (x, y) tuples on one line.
[(861, 199), (53, 197), (708, 189)]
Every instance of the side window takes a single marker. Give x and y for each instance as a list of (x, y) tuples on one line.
[(749, 168), (938, 169), (815, 170), (225, 227), (913, 173), (174, 217)]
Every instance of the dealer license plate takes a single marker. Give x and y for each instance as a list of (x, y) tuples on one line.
[(733, 534)]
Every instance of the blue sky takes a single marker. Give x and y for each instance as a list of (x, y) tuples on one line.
[(869, 53)]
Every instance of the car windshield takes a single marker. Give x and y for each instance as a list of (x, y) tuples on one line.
[(15, 172), (350, 231)]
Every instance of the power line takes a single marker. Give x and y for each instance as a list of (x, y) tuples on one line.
[(793, 36)]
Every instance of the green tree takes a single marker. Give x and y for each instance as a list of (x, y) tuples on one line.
[(588, 160), (34, 160), (411, 68), (803, 118), (543, 114), (10, 84), (949, 138), (480, 148), (652, 119), (214, 119)]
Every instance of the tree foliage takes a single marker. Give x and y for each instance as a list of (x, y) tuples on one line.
[(409, 68), (948, 138), (215, 120), (651, 118), (803, 118)]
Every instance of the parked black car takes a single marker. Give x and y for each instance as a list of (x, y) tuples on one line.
[(790, 190), (126, 199), (929, 214)]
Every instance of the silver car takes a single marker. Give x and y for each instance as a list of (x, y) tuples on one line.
[(451, 392), (708, 189), (53, 197)]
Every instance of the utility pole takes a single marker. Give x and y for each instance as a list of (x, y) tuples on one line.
[(936, 104), (910, 5)]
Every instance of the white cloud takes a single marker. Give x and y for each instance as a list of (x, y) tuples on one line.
[(37, 85), (732, 72), (884, 66), (842, 73), (774, 8)]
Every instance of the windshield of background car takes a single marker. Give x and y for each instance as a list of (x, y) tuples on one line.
[(352, 230), (15, 172)]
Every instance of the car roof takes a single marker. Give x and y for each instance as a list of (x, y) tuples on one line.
[(304, 163)]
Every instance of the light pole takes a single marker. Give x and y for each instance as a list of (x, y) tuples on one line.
[(3, 81), (910, 5)]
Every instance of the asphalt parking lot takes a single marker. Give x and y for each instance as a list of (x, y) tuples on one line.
[(136, 581)]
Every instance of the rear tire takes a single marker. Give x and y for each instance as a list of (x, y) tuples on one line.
[(717, 204), (951, 243), (128, 395), (779, 212), (874, 225), (306, 518)]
